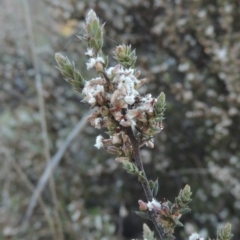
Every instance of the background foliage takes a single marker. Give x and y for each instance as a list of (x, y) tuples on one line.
[(188, 49)]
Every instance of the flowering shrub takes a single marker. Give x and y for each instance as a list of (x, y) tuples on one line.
[(132, 121)]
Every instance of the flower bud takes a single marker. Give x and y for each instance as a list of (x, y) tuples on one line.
[(91, 16), (99, 66), (100, 99), (113, 150), (142, 205), (127, 149), (125, 56), (61, 60), (159, 107), (104, 111)]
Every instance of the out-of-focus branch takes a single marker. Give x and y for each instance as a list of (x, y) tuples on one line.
[(39, 88), (50, 167)]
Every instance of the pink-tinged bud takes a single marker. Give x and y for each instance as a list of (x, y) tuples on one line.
[(142, 81), (127, 149), (160, 125), (100, 99), (107, 142), (116, 139), (142, 205), (113, 150), (137, 73), (149, 144), (115, 96), (116, 69)]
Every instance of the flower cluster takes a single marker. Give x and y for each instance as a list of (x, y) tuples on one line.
[(132, 121), (115, 94), (167, 213)]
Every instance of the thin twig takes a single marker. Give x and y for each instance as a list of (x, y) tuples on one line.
[(145, 184), (39, 87), (50, 167)]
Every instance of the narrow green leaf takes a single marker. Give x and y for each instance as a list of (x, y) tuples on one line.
[(178, 223), (184, 210), (143, 215), (155, 188)]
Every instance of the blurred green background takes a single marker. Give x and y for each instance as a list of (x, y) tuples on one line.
[(190, 49)]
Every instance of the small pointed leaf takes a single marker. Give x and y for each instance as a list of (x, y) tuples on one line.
[(178, 223), (155, 188), (184, 210), (143, 215)]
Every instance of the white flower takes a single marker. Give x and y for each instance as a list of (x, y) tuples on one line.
[(89, 52), (91, 91), (99, 143), (99, 88), (109, 71), (91, 100), (125, 85), (154, 204), (100, 59), (195, 236), (91, 63), (130, 99), (147, 103)]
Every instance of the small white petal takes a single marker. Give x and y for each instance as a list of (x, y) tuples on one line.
[(89, 52), (99, 143), (100, 88), (154, 204), (100, 59), (195, 236), (129, 99), (91, 62), (109, 71), (125, 123), (91, 100)]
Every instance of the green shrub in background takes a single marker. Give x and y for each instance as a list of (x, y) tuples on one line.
[(132, 121)]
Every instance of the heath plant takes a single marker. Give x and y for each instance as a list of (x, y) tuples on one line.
[(131, 120)]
